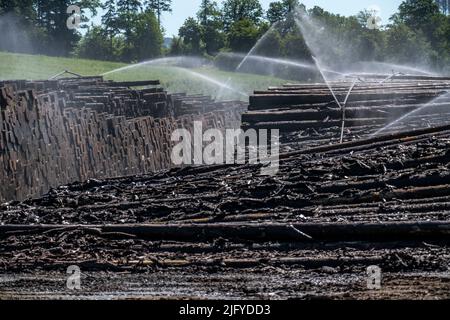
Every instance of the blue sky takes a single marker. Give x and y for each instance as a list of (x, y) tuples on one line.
[(183, 9)]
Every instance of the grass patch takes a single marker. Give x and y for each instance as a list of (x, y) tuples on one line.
[(35, 67)]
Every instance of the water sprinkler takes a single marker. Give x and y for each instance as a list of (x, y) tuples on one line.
[(394, 74), (65, 72)]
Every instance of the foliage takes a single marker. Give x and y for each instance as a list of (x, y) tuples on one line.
[(147, 38), (237, 10), (210, 18), (191, 33), (279, 11), (407, 46), (243, 35), (159, 7), (97, 45)]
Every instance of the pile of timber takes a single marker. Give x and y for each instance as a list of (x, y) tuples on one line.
[(59, 131), (308, 114)]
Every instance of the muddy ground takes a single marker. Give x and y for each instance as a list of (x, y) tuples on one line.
[(265, 283)]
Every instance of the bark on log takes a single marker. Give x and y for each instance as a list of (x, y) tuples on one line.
[(377, 232)]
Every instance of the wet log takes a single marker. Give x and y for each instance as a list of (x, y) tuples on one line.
[(133, 83), (308, 263), (305, 232), (267, 101), (375, 142), (390, 112), (359, 87), (290, 126)]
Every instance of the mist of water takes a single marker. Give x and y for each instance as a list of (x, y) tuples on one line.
[(213, 81), (182, 65), (258, 43), (338, 51), (441, 98), (327, 82), (325, 46), (375, 67), (275, 61), (15, 37), (179, 61)]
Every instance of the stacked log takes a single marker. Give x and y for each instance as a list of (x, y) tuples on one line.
[(308, 114), (57, 132)]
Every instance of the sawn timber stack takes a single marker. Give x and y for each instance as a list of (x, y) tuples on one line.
[(308, 114), (61, 131)]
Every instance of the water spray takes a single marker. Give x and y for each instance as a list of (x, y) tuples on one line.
[(212, 80), (344, 107), (171, 61), (431, 103), (250, 53), (327, 83)]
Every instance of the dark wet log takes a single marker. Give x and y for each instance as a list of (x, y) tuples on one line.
[(405, 77), (300, 111), (133, 83), (319, 114), (375, 142), (308, 263), (267, 101), (130, 266), (289, 126), (339, 86), (304, 232)]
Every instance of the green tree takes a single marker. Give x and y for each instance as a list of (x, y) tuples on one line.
[(191, 33), (444, 5), (279, 10), (147, 37), (273, 44), (53, 19), (213, 38), (424, 18), (96, 44), (210, 19), (405, 46), (20, 32), (294, 46), (23, 8), (127, 14), (159, 7), (111, 27), (243, 35), (371, 43), (177, 47), (237, 10), (208, 9), (275, 12), (417, 14)]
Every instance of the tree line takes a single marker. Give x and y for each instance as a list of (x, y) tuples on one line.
[(131, 30)]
